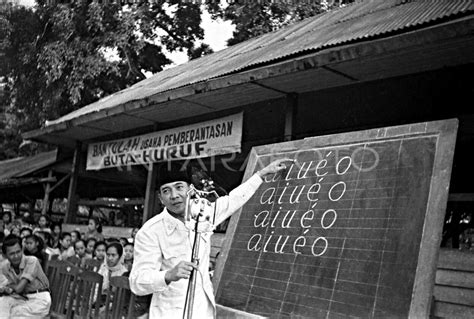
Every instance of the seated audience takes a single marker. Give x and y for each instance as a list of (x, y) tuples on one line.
[(75, 236), (94, 229), (99, 251), (27, 291), (56, 230), (112, 267), (64, 250), (90, 244), (42, 224), (128, 256), (80, 250), (34, 247)]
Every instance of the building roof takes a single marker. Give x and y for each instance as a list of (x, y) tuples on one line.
[(319, 50), (21, 166)]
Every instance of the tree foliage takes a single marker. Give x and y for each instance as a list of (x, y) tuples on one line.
[(58, 58), (254, 18)]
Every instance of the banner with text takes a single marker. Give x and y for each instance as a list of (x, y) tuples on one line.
[(215, 137)]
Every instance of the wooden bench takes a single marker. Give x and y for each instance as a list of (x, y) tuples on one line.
[(453, 295)]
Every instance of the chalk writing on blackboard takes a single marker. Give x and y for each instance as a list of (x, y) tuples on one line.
[(337, 234)]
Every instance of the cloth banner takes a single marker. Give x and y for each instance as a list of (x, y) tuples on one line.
[(215, 137)]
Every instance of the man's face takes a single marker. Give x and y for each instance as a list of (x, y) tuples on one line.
[(173, 196), (14, 254)]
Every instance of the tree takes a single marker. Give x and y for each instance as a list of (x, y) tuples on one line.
[(254, 18), (57, 58)]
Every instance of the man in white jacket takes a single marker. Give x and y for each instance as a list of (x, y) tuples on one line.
[(163, 246)]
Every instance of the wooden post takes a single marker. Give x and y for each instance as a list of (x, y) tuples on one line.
[(150, 193), (71, 197), (291, 104), (47, 190)]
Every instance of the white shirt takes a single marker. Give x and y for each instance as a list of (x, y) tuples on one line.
[(163, 242)]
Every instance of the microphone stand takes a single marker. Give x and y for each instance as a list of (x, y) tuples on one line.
[(188, 308), (189, 302)]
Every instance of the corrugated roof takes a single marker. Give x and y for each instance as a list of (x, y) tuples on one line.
[(21, 166), (361, 21)]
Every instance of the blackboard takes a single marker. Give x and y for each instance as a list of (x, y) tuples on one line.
[(351, 229)]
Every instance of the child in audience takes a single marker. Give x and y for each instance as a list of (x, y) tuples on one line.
[(34, 247), (65, 248), (80, 250), (75, 236), (99, 251), (90, 245), (42, 224), (128, 256), (24, 232), (56, 230)]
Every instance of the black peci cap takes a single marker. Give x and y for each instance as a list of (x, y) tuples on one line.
[(171, 172)]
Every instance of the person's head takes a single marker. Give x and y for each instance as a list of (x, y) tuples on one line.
[(128, 251), (45, 237), (173, 183), (25, 231), (134, 232), (114, 253), (65, 240), (94, 225), (56, 228), (80, 248), (7, 217), (123, 241), (43, 221), (99, 250), (90, 244), (33, 244), (75, 236), (12, 249), (15, 230)]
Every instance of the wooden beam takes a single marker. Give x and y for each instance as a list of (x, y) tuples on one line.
[(60, 182), (149, 204), (108, 203), (47, 190), (71, 197)]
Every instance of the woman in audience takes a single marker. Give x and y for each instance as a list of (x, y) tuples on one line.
[(112, 267), (94, 229), (99, 251), (128, 256)]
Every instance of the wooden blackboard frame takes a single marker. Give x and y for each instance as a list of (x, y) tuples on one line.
[(446, 131)]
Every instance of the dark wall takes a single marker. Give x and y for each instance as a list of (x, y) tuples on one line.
[(421, 97)]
